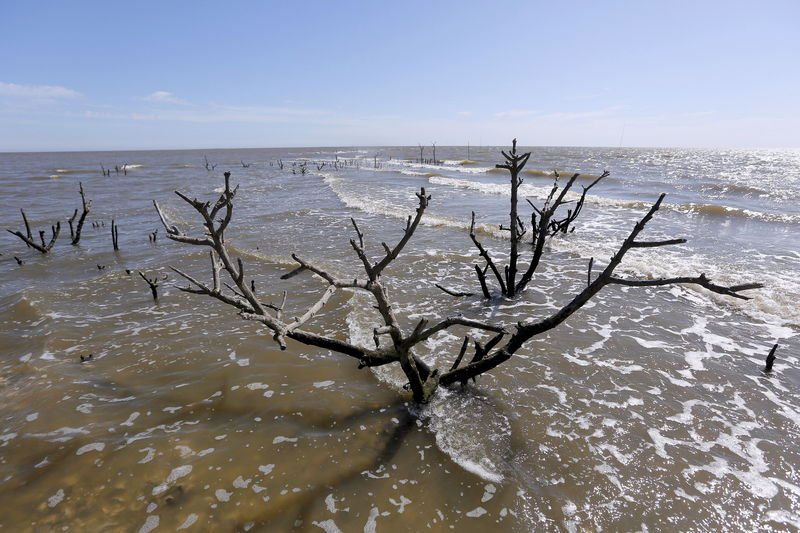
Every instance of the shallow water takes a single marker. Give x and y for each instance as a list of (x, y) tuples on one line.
[(646, 411)]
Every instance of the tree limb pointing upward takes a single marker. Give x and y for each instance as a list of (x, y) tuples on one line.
[(506, 339)]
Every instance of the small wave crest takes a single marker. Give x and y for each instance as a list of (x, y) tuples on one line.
[(689, 208)]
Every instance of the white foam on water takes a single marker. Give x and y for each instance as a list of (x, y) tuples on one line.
[(371, 525), (488, 492), (173, 476), (129, 422), (223, 495), (56, 498), (477, 512), (241, 483), (400, 504), (191, 519), (149, 524), (93, 447), (330, 503), (151, 453), (328, 526)]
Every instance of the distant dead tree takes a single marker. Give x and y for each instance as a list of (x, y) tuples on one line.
[(114, 235), (394, 343), (153, 283), (421, 149), (27, 238), (76, 233), (544, 224)]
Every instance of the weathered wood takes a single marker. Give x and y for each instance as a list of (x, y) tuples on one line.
[(76, 234), (114, 235), (398, 342), (528, 330), (27, 238), (770, 359), (153, 283)]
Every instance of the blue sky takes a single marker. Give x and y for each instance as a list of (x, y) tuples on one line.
[(144, 75)]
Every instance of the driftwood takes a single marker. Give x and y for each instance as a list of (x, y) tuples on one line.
[(393, 343), (75, 234), (27, 238)]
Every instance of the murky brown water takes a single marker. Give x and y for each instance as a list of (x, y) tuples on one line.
[(646, 412)]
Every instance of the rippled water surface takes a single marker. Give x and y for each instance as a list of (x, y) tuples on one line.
[(646, 411)]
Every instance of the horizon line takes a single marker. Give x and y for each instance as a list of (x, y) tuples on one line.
[(415, 146)]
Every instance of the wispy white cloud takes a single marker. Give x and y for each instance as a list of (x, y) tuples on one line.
[(516, 113), (582, 115), (164, 97), (560, 115), (216, 113), (36, 92)]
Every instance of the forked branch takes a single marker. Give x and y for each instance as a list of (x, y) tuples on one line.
[(27, 238), (525, 331)]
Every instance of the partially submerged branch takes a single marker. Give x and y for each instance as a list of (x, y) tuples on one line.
[(27, 238), (544, 224), (153, 283), (525, 331), (76, 233), (394, 343)]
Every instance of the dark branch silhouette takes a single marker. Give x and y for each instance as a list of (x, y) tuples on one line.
[(393, 343), (76, 233), (27, 238)]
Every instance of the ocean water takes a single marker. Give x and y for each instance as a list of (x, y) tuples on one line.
[(646, 411)]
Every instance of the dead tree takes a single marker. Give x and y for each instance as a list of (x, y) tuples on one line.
[(544, 224), (114, 235), (393, 343), (153, 283), (28, 237), (76, 233)]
